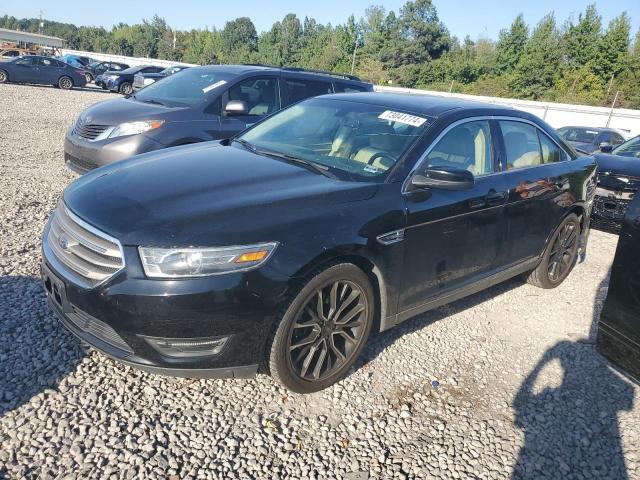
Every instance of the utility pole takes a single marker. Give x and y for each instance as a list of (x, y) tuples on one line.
[(610, 83), (40, 23), (355, 49), (612, 107)]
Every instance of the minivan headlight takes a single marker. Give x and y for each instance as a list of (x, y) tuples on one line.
[(201, 262), (133, 128)]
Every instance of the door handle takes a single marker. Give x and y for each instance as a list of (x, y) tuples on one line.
[(494, 198)]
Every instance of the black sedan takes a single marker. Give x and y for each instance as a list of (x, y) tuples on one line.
[(618, 182), (141, 80), (41, 70), (590, 139), (281, 250), (618, 336), (122, 82)]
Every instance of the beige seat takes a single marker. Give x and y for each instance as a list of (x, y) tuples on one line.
[(381, 148), (266, 104), (519, 155)]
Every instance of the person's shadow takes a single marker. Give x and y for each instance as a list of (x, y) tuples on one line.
[(571, 430)]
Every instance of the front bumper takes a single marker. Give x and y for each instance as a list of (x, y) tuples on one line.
[(609, 209), (82, 155), (118, 316)]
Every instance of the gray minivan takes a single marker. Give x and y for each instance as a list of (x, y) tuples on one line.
[(198, 104)]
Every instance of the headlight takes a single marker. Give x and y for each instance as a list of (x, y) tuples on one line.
[(201, 262), (133, 128)]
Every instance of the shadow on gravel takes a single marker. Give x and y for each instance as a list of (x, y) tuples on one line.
[(571, 431), (88, 88), (36, 352), (378, 343)]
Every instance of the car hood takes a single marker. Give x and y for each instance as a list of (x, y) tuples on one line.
[(120, 110), (205, 194), (617, 164)]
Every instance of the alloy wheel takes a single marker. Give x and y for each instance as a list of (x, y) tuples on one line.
[(65, 83), (3, 76), (563, 252), (328, 330)]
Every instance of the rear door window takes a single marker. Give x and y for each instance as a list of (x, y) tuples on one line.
[(348, 88), (521, 144), (298, 89)]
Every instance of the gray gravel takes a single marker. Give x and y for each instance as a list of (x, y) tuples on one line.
[(503, 384)]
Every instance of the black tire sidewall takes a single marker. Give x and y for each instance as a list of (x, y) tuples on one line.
[(60, 83), (6, 76), (279, 359), (544, 264)]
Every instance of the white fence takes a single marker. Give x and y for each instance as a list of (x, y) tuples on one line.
[(131, 61), (556, 114)]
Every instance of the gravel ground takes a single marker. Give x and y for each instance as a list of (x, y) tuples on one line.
[(503, 384)]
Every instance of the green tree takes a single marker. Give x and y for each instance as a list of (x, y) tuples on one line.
[(511, 45), (613, 48), (539, 64), (582, 39)]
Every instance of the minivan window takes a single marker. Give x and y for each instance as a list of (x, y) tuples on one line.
[(466, 146), (185, 88), (259, 94), (298, 89), (348, 88), (521, 144), (356, 140)]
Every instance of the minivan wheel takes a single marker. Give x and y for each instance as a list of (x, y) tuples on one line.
[(323, 329), (3, 76), (560, 255), (126, 88), (65, 83)]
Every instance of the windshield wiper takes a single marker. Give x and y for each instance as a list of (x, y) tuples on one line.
[(316, 167), (151, 100), (245, 144)]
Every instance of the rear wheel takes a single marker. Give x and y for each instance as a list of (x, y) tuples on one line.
[(88, 77), (4, 78), (323, 329), (125, 88), (65, 83), (560, 255)]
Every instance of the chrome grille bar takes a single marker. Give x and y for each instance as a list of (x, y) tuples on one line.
[(86, 255)]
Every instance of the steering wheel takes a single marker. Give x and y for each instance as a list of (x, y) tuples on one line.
[(382, 156)]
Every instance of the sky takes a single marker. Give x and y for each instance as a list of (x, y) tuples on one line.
[(463, 17)]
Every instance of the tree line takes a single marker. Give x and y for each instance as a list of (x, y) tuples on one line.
[(579, 61)]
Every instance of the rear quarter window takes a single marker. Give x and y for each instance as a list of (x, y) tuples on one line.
[(347, 88), (298, 89)]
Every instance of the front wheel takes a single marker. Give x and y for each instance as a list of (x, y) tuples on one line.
[(126, 88), (4, 78), (65, 83), (560, 256), (88, 78), (323, 329)]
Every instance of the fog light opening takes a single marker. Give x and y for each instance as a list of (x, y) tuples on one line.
[(188, 347)]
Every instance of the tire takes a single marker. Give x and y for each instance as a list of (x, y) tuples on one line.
[(125, 88), (309, 351), (65, 83), (4, 77), (88, 77), (560, 256)]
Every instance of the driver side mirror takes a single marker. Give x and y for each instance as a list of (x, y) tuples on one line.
[(605, 147), (444, 178), (236, 107)]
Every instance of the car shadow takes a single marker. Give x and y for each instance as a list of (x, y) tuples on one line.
[(571, 430), (36, 352), (381, 341), (93, 89)]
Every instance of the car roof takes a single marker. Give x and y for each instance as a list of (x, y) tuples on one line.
[(431, 105), (254, 68)]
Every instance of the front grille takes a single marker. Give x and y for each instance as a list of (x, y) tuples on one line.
[(89, 131), (97, 328), (78, 164), (608, 213), (90, 256)]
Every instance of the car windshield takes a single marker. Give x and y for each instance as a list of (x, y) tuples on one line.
[(353, 140), (185, 88), (630, 148), (576, 134)]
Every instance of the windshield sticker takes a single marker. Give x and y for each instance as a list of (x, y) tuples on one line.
[(370, 169), (213, 85), (402, 118)]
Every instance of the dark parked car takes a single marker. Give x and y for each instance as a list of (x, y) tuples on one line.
[(194, 105), (122, 82), (618, 182), (141, 80), (618, 336), (589, 140), (98, 68), (282, 249), (41, 70)]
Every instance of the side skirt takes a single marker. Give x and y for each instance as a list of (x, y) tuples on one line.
[(469, 288)]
